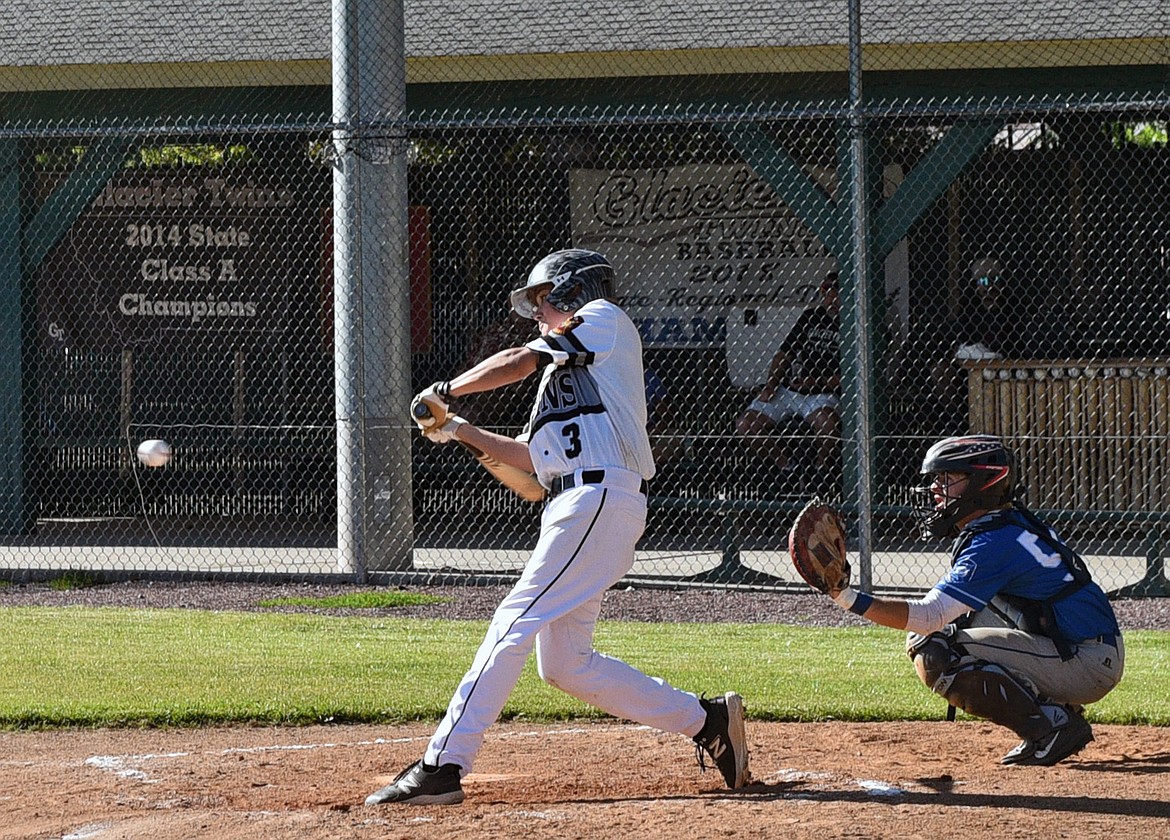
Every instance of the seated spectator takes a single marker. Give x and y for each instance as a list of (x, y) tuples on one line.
[(982, 330), (999, 318), (804, 380), (996, 319)]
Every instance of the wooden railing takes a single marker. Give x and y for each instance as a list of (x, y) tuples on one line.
[(1090, 435)]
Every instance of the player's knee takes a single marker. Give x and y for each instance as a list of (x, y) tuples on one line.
[(561, 671), (546, 670), (823, 421), (933, 658)]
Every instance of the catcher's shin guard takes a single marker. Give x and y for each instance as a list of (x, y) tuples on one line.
[(988, 691)]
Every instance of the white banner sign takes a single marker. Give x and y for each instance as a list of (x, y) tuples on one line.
[(690, 244)]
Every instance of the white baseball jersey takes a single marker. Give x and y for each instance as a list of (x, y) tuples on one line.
[(590, 414), (590, 407)]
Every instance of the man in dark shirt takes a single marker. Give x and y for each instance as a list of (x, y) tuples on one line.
[(981, 331), (1000, 317), (804, 380), (997, 317)]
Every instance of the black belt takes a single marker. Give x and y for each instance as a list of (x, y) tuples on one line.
[(568, 481), (1108, 639)]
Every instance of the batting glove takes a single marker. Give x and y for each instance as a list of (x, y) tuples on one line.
[(429, 409), (447, 432)]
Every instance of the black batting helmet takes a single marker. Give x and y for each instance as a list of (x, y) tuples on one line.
[(577, 276)]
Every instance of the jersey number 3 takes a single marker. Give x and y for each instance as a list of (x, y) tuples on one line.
[(572, 434)]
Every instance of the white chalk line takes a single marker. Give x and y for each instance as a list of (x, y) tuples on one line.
[(824, 781), (131, 767), (86, 832), (128, 766), (503, 736)]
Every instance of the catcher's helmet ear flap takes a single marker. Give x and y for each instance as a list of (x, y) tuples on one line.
[(576, 276), (990, 470)]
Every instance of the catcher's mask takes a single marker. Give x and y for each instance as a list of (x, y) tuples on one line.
[(576, 276), (988, 465)]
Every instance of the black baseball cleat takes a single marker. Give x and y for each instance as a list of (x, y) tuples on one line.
[(1020, 751), (420, 785), (1056, 746), (723, 738)]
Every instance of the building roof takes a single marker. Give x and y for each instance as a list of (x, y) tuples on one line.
[(55, 44)]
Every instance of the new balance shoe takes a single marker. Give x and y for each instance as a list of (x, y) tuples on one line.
[(723, 738), (418, 785)]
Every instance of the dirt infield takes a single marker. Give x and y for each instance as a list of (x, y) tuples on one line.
[(819, 781), (827, 780)]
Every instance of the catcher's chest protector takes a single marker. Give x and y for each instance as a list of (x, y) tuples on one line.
[(1037, 617)]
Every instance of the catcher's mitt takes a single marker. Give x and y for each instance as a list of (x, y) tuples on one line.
[(816, 543)]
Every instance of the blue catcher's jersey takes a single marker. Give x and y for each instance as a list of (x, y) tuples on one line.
[(1014, 561)]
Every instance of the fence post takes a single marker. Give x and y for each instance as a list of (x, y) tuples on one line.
[(860, 269), (371, 287)]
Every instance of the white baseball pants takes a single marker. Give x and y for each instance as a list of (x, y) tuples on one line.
[(586, 545)]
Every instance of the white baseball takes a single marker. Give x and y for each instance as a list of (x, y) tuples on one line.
[(154, 453)]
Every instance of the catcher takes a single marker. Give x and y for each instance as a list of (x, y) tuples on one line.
[(1016, 632), (587, 445)]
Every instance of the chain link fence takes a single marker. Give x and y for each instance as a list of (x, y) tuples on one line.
[(981, 218)]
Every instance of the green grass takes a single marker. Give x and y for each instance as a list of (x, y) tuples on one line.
[(124, 667), (73, 580), (357, 600)]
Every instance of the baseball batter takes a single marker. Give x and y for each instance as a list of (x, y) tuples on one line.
[(587, 444)]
